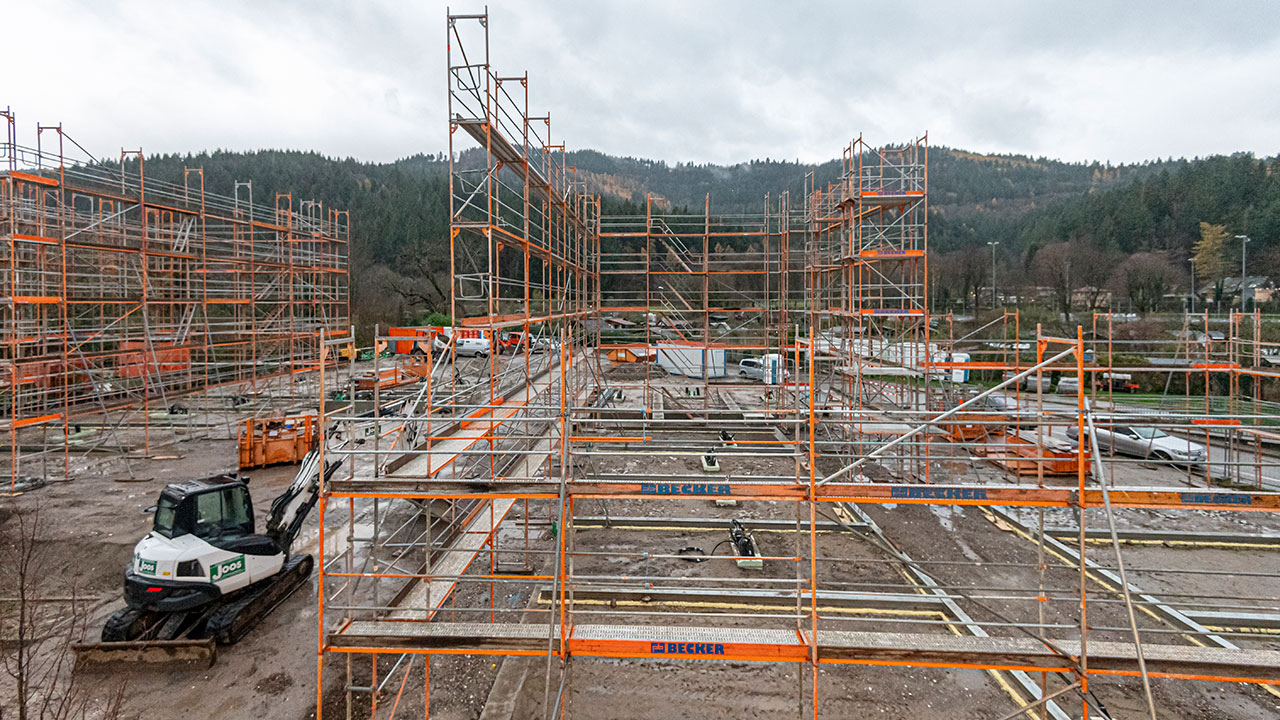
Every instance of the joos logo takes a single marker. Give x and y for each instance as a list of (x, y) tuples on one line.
[(226, 568), (146, 567)]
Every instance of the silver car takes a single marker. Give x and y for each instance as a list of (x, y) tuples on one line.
[(752, 368), (1146, 442)]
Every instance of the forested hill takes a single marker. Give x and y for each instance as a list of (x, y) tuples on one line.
[(1159, 210), (400, 218), (959, 181)]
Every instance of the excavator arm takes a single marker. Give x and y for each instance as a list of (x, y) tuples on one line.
[(289, 511)]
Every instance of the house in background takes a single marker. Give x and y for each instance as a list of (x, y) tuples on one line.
[(619, 323), (632, 354), (1256, 289), (1090, 296)]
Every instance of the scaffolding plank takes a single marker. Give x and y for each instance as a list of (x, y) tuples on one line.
[(425, 599), (503, 149), (444, 453), (713, 599), (41, 239), (897, 493), (38, 179), (843, 647)]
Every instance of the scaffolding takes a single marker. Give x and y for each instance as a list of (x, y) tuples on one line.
[(512, 507), (122, 294)]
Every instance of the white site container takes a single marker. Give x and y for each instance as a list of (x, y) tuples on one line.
[(959, 374), (775, 369), (695, 362)]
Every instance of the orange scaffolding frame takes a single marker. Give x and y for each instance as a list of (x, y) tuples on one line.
[(121, 293)]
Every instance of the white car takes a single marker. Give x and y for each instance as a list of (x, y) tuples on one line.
[(1146, 442), (1029, 382), (999, 402), (752, 368)]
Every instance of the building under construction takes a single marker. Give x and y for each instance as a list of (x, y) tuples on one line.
[(880, 509)]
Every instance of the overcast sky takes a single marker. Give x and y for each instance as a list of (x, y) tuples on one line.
[(680, 81)]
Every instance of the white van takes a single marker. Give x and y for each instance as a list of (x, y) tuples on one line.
[(472, 347)]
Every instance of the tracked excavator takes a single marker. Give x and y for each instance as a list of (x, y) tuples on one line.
[(203, 573)]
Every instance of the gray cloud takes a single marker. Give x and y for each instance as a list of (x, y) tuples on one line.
[(703, 82)]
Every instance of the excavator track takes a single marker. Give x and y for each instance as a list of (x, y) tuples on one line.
[(131, 638), (127, 624), (232, 621)]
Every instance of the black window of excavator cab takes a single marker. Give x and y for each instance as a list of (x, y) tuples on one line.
[(168, 520), (223, 513)]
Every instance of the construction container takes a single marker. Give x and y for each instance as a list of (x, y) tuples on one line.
[(271, 441), (691, 361)]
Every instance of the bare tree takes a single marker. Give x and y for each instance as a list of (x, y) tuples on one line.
[(1144, 278), (1052, 267), (960, 273), (39, 659), (1078, 263), (422, 265)]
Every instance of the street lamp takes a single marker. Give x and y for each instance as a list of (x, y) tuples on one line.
[(1244, 240), (1193, 284), (993, 244)]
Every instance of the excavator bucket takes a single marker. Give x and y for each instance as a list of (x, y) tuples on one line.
[(138, 654)]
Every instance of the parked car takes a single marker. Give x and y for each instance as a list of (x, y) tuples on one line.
[(999, 402), (1028, 383), (519, 341), (1117, 382), (769, 369), (472, 347), (508, 342), (1146, 442), (1019, 414)]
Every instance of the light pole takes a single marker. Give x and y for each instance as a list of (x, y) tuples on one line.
[(1193, 284), (993, 244), (1244, 240)]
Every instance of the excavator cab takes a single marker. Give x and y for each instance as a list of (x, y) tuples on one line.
[(214, 512)]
